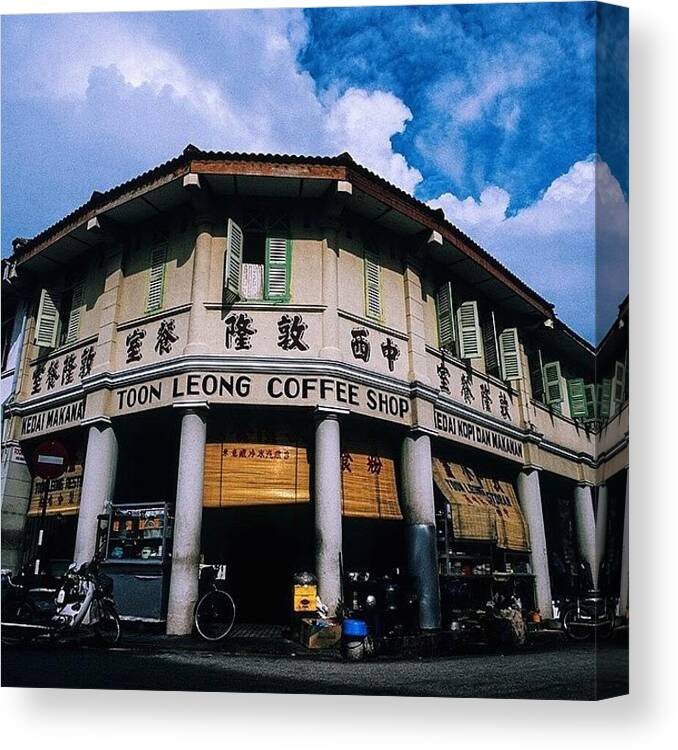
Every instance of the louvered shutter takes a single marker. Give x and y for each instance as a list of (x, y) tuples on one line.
[(47, 322), (277, 283), (74, 313), (553, 388), (233, 262), (509, 352), (156, 278), (536, 376), (576, 392), (618, 386), (592, 402), (468, 326), (605, 398), (491, 345), (445, 309), (372, 284)]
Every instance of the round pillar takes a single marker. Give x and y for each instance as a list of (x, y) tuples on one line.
[(419, 512), (98, 485), (585, 525), (328, 531), (529, 496), (183, 591)]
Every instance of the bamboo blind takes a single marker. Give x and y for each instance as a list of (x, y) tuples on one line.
[(368, 481), (481, 509), (252, 472)]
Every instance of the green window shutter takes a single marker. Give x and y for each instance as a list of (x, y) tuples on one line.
[(618, 386), (553, 387), (47, 322), (509, 353), (277, 272), (468, 325), (445, 310), (576, 391), (372, 284), (591, 403), (74, 313), (233, 262), (156, 279), (605, 398)]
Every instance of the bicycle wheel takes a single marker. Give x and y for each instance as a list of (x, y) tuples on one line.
[(214, 615)]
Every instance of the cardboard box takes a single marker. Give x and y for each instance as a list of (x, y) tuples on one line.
[(317, 634)]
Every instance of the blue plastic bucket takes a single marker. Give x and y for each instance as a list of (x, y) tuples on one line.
[(354, 628)]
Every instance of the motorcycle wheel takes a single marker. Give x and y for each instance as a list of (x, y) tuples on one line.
[(24, 614), (107, 630), (572, 630)]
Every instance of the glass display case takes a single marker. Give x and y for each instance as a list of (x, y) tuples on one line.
[(136, 540), (139, 532)]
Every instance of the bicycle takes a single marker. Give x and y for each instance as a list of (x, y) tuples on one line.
[(214, 613)]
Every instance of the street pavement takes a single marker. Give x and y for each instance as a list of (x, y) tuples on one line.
[(552, 668)]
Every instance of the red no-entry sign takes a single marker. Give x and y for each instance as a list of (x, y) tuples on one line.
[(50, 459)]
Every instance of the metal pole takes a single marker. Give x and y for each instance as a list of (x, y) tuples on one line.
[(41, 532)]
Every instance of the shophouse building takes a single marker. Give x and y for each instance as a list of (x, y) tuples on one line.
[(286, 363)]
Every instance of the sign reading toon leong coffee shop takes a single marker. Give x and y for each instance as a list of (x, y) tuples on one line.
[(271, 390), (275, 390)]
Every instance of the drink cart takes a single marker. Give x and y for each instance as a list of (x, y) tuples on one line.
[(136, 539)]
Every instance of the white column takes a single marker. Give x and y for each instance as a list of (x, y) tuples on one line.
[(328, 532), (330, 290), (624, 584), (416, 325), (183, 591), (202, 261), (419, 512), (585, 525), (601, 526), (529, 495), (98, 485)]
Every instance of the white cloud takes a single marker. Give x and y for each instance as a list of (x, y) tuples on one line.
[(255, 99), (363, 123), (570, 243)]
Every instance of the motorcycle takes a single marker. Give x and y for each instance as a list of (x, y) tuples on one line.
[(82, 600), (588, 616)]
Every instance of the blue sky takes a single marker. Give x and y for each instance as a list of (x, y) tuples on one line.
[(488, 111)]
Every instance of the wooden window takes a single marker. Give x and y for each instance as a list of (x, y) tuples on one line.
[(372, 284), (491, 345), (509, 354), (618, 386), (445, 314), (72, 319), (233, 262), (605, 399), (277, 273), (576, 392), (553, 386), (47, 321), (592, 402), (468, 326), (156, 279)]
